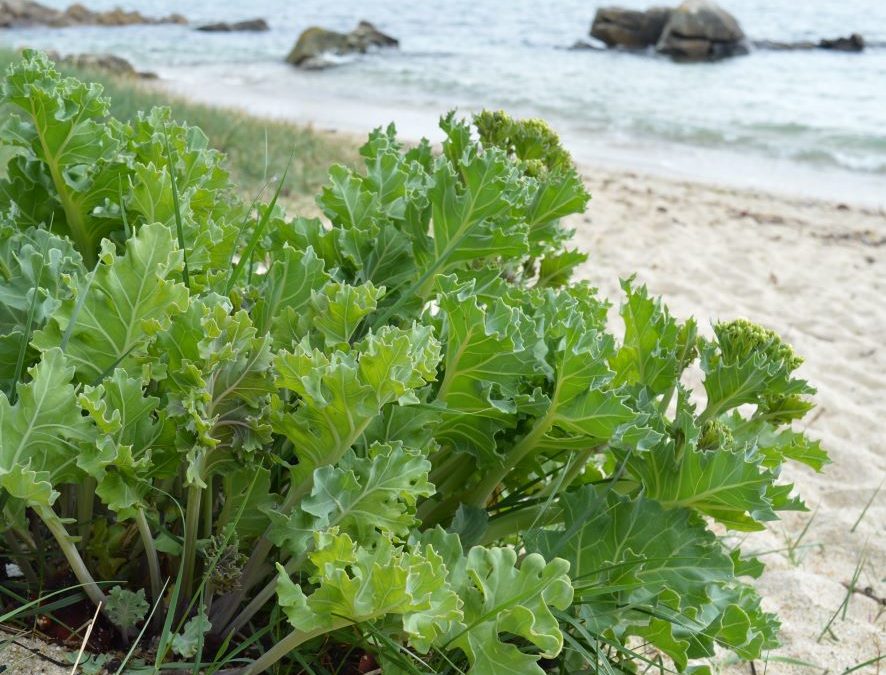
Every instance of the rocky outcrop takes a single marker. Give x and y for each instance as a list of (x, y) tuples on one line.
[(853, 43), (701, 30), (250, 25), (629, 28), (24, 13), (697, 30), (315, 44), (107, 63)]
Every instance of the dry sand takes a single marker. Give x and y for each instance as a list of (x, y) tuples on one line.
[(815, 272)]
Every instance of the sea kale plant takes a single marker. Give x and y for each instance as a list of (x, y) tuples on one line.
[(400, 434)]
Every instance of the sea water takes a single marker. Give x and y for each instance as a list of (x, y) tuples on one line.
[(814, 120)]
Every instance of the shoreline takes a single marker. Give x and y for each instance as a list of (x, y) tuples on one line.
[(281, 93)]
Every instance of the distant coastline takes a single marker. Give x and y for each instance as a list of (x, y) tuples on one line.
[(805, 123)]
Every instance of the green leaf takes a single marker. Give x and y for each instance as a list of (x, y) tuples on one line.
[(64, 127), (777, 445), (133, 447), (357, 585), (748, 364), (488, 355), (341, 393), (187, 643), (648, 355), (126, 608), (41, 434), (338, 310), (729, 484), (660, 574), (33, 264), (131, 298), (360, 496), (219, 384), (473, 211), (501, 598), (286, 293)]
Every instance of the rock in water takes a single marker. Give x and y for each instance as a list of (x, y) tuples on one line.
[(701, 30), (853, 43), (366, 35), (632, 29), (315, 43), (252, 25)]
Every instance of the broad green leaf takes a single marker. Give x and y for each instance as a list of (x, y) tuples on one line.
[(285, 295), (649, 353), (219, 384), (187, 643), (131, 298), (341, 393), (748, 364), (501, 599), (338, 310), (473, 212), (41, 434), (253, 484), (656, 573), (63, 125), (33, 264), (729, 484), (776, 445), (488, 355), (356, 585), (132, 446), (360, 496), (127, 608)]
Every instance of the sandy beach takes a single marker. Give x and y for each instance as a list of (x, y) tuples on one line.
[(816, 273)]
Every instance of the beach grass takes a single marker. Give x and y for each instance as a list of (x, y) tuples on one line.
[(257, 149)]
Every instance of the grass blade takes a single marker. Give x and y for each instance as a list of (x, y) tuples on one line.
[(257, 233), (176, 204), (864, 511)]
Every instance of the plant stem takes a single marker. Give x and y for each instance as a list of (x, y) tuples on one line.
[(287, 644), (482, 491), (519, 520), (207, 509), (192, 527), (147, 538), (78, 567), (572, 473)]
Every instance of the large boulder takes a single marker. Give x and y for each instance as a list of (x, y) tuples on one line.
[(701, 30), (24, 13), (113, 65), (250, 25), (315, 44), (629, 28)]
